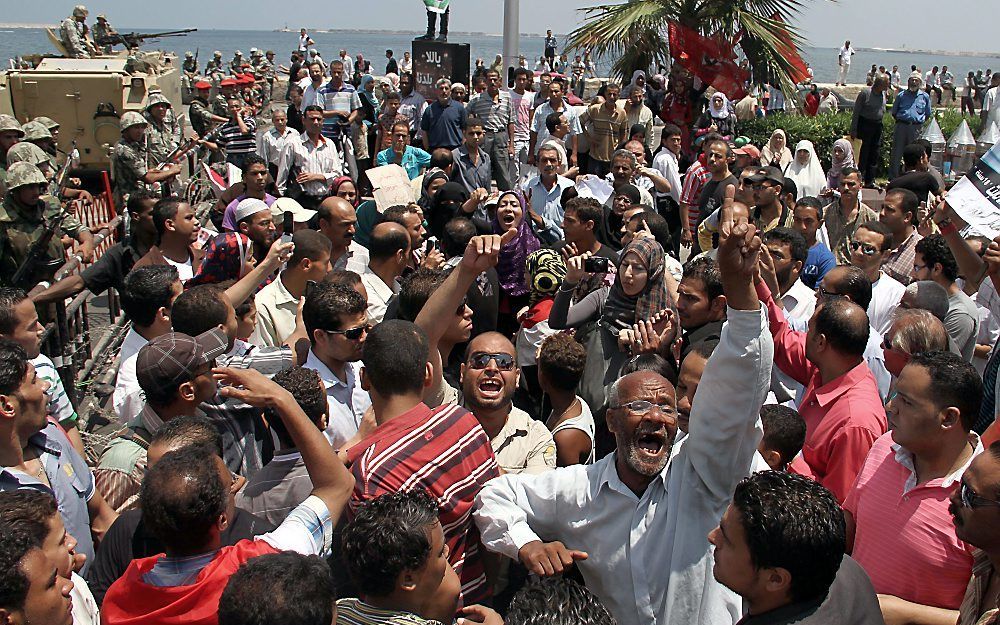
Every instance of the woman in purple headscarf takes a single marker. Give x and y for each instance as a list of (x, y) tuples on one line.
[(511, 215)]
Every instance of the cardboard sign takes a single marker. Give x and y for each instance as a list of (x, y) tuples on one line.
[(392, 186)]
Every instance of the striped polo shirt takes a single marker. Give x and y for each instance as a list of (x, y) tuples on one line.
[(445, 452), (234, 141)]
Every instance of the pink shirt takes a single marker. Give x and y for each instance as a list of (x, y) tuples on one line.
[(843, 417), (905, 535)]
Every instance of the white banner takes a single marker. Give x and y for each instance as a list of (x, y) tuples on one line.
[(976, 197)]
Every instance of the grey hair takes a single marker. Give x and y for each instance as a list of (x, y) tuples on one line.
[(442, 82), (929, 295), (633, 89), (623, 153), (918, 331), (613, 394)]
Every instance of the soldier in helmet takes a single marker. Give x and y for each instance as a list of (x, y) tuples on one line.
[(128, 161), (73, 33), (214, 65), (27, 152), (103, 32), (189, 69), (37, 133), (10, 133), (236, 65), (163, 134), (23, 216), (266, 71)]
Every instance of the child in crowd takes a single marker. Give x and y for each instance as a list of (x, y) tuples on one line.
[(561, 361), (784, 435), (390, 115)]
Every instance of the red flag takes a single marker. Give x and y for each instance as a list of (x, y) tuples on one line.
[(786, 48), (709, 58)]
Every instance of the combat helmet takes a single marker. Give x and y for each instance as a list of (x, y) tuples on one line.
[(131, 118), (9, 122), (35, 130), (27, 152), (24, 173), (188, 55), (80, 11), (48, 122), (157, 98)]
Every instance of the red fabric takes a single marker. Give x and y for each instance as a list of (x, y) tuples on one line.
[(712, 59), (538, 313), (787, 48), (812, 104), (991, 435), (131, 601)]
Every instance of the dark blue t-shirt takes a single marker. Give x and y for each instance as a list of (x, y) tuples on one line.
[(444, 124)]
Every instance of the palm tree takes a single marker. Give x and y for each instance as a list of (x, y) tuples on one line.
[(634, 32)]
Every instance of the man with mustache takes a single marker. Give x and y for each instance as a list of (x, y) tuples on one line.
[(975, 509), (635, 524)]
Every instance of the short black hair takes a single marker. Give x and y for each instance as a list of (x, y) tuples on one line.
[(657, 225), (455, 236), (137, 201), (794, 523), (552, 121), (880, 229), (706, 270), (343, 277), (473, 122), (788, 186), (813, 203), (182, 498), (563, 359), (587, 209), (912, 154), (387, 242), (792, 238), (954, 382), (557, 600), (312, 108), (848, 171), (13, 366), (29, 510), (9, 298), (309, 244), (416, 289), (670, 130), (934, 250), (651, 362), (441, 158), (395, 355), (304, 385), (327, 304), (926, 145), (269, 589), (846, 335), (855, 285), (397, 214), (199, 309), (784, 430), (389, 535), (253, 159), (522, 71), (15, 544), (146, 290), (909, 202), (189, 431), (163, 210)]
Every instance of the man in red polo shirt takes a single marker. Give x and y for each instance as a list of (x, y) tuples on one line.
[(897, 512), (444, 451), (841, 406)]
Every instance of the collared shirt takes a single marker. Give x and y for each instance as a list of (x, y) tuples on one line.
[(344, 100), (471, 175), (639, 116), (235, 141), (521, 105), (843, 417), (548, 202), (272, 144), (379, 294), (280, 486), (886, 294), (414, 160), (606, 130), (542, 113), (524, 445), (354, 259), (912, 107), (446, 452), (841, 231), (695, 179), (870, 106), (898, 263), (307, 157), (974, 609), (497, 114), (128, 398), (311, 95), (276, 309), (412, 107), (962, 323), (69, 480), (346, 400), (799, 301), (444, 124), (904, 532), (649, 559)]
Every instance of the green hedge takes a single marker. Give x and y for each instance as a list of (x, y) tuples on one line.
[(823, 130)]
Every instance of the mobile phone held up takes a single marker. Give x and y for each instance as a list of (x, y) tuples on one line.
[(596, 264)]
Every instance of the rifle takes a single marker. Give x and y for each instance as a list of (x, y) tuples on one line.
[(58, 184), (182, 150), (132, 40), (34, 262)]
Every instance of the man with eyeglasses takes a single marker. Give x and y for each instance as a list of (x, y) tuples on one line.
[(898, 521), (975, 510), (634, 523), (336, 319), (872, 241)]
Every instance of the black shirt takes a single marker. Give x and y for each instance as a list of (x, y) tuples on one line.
[(111, 268), (392, 67), (128, 539), (295, 119), (712, 196), (920, 182)]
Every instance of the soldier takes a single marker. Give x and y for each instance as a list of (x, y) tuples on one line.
[(163, 134), (267, 72), (37, 133), (128, 161), (24, 214), (214, 65), (236, 65), (190, 71), (199, 113), (73, 33), (103, 32), (220, 103), (10, 133)]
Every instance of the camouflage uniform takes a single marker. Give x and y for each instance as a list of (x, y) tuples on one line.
[(199, 114), (22, 225), (101, 30), (161, 139), (220, 105), (236, 65), (7, 122), (128, 162), (71, 33), (214, 66)]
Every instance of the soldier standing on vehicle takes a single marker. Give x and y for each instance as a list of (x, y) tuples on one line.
[(103, 31), (128, 161), (10, 133), (23, 216), (73, 33)]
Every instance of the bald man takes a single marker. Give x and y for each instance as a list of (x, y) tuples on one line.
[(339, 222), (389, 253)]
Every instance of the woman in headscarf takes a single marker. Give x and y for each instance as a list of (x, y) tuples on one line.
[(514, 291), (776, 152), (717, 118), (393, 80), (637, 294), (841, 156), (344, 187), (545, 270), (806, 171), (638, 79), (446, 200), (655, 92)]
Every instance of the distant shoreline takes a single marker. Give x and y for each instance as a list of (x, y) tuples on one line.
[(987, 55)]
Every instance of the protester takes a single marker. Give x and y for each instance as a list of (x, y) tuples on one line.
[(872, 241), (776, 152), (841, 157), (842, 217), (899, 213), (807, 219)]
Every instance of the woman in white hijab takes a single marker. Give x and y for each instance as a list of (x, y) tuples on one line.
[(776, 152), (806, 171), (717, 118), (638, 78)]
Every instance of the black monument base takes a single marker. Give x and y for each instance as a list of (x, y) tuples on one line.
[(433, 60)]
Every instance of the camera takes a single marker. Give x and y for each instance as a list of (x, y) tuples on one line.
[(596, 264)]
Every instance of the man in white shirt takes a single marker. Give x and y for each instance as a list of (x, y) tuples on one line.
[(389, 254), (635, 523), (666, 163), (872, 242), (336, 319), (844, 60), (311, 91), (895, 79), (305, 40), (540, 132), (406, 65), (273, 142), (932, 83), (348, 63), (278, 302), (315, 160), (521, 101), (545, 192)]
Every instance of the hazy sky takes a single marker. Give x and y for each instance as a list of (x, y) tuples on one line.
[(961, 24)]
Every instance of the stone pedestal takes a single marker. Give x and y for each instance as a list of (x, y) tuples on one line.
[(433, 60)]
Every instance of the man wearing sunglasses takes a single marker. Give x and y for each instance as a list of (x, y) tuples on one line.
[(975, 510), (634, 523), (898, 523), (871, 243)]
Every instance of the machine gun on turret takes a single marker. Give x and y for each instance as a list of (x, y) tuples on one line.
[(132, 40)]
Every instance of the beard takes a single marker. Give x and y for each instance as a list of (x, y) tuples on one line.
[(641, 462)]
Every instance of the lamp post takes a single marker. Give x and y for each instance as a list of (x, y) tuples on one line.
[(511, 35)]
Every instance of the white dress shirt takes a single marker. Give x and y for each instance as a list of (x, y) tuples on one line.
[(354, 259), (345, 400), (321, 157), (379, 294), (271, 145), (886, 293), (666, 163), (649, 560), (128, 397), (798, 302)]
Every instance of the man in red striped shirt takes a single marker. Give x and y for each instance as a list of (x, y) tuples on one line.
[(443, 450)]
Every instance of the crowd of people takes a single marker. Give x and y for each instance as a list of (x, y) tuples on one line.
[(508, 400)]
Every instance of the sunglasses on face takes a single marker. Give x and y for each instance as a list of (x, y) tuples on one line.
[(824, 294), (972, 500), (481, 360), (352, 334), (866, 248)]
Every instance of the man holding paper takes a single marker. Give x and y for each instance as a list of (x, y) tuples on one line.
[(412, 159)]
